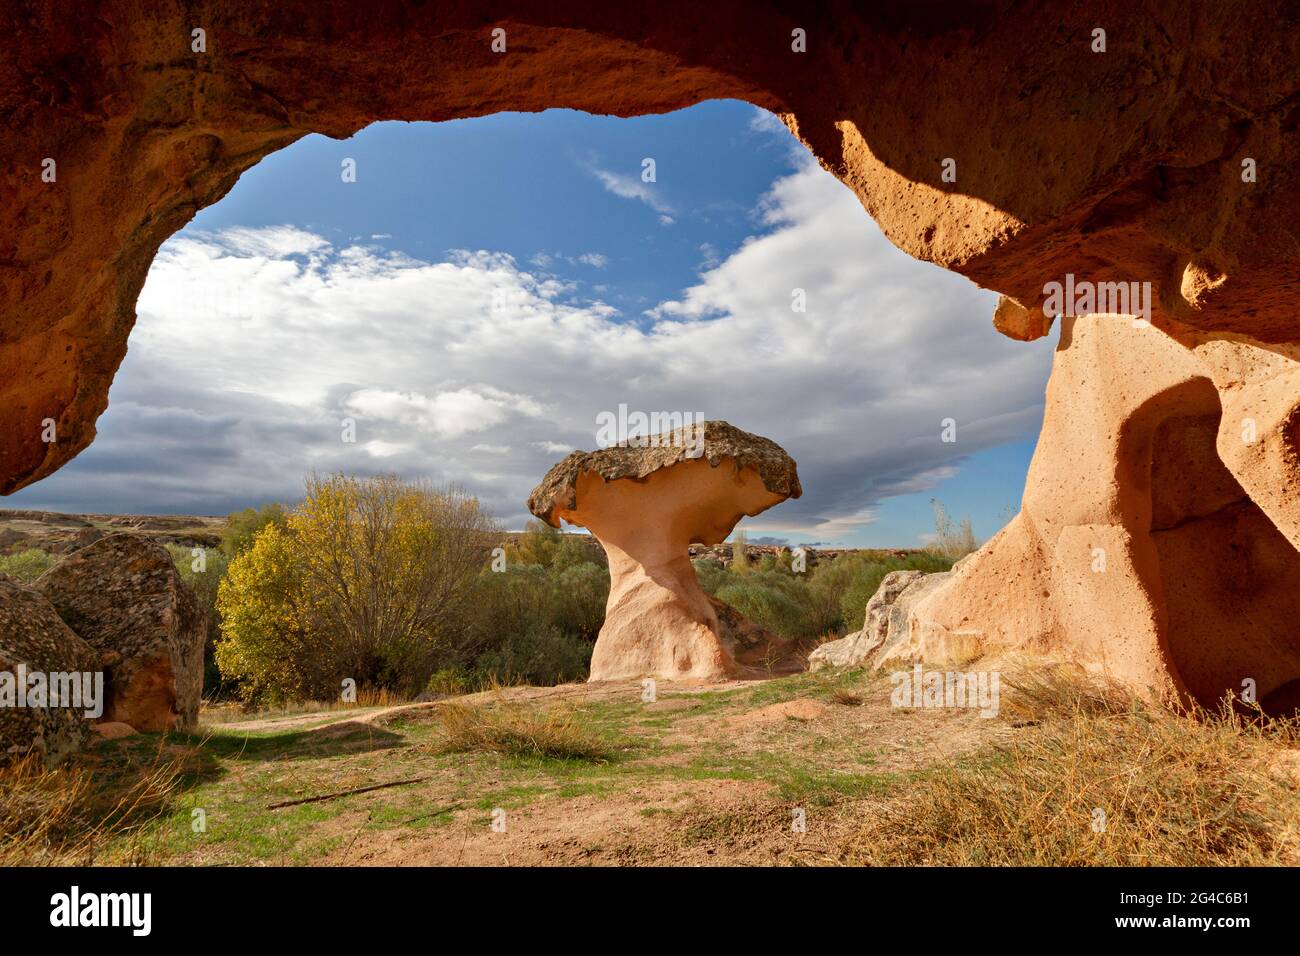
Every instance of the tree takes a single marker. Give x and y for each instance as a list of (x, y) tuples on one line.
[(242, 526), (367, 580)]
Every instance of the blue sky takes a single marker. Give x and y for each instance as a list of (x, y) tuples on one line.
[(486, 287)]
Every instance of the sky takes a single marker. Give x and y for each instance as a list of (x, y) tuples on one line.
[(483, 289)]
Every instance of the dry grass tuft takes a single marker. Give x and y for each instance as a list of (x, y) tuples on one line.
[(56, 817), (367, 697), (842, 695), (1035, 693), (1190, 789), (557, 733)]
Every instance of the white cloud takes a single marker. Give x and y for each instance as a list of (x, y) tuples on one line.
[(272, 242), (253, 344), (631, 186)]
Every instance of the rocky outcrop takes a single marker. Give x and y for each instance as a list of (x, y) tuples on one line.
[(123, 595), (856, 648), (34, 640), (1157, 536), (647, 504), (1188, 123)]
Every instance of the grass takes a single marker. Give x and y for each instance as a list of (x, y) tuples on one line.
[(367, 697), (878, 785), (556, 733), (1101, 779), (58, 816)]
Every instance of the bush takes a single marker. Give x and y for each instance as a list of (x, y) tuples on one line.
[(206, 584), (547, 547), (536, 622), (27, 566), (541, 655), (242, 526), (831, 598), (767, 600), (367, 579)]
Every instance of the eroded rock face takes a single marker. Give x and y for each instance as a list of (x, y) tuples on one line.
[(34, 639), (647, 504), (123, 596), (856, 649), (1126, 164), (1153, 542)]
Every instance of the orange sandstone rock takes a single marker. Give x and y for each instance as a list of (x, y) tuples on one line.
[(1157, 537)]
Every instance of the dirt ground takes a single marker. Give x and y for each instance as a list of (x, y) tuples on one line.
[(786, 771), (724, 773)]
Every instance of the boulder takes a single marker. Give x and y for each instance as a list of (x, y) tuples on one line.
[(648, 501), (854, 649), (123, 595), (33, 639), (113, 730)]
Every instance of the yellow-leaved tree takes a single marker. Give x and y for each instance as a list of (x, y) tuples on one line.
[(367, 579)]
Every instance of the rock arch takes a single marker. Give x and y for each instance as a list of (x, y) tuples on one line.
[(1121, 165)]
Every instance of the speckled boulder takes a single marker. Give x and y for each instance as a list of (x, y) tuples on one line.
[(34, 638), (123, 594)]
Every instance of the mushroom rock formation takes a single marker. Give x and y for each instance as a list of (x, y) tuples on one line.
[(647, 502), (123, 596), (34, 640), (1163, 156)]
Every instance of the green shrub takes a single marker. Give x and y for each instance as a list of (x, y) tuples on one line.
[(27, 566), (711, 574), (242, 526), (831, 598), (763, 599), (451, 681), (540, 655), (206, 584)]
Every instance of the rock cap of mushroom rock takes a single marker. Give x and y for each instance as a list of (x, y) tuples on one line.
[(713, 441)]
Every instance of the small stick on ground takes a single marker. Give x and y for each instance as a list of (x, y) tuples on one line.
[(346, 793), (433, 813)]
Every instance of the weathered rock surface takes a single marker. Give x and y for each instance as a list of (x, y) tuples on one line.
[(123, 595), (1157, 536), (855, 649), (647, 504), (145, 131), (711, 441), (33, 637)]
